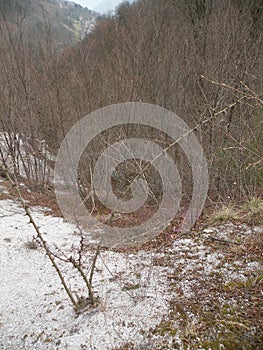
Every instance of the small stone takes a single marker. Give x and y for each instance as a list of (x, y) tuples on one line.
[(208, 230)]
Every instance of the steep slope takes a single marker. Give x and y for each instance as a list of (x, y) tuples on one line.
[(65, 21), (81, 18)]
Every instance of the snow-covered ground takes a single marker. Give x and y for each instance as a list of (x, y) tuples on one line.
[(35, 312), (133, 288)]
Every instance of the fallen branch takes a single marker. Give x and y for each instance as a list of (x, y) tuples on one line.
[(223, 240)]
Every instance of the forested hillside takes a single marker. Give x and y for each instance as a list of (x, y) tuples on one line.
[(199, 58), (66, 22)]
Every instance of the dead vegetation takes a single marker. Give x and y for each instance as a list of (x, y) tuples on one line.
[(225, 310)]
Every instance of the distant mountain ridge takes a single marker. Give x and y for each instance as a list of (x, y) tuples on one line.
[(65, 20)]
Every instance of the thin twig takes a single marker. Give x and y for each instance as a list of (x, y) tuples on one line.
[(228, 87), (223, 240), (40, 237), (93, 265)]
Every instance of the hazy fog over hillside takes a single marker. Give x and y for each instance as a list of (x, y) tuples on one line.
[(101, 6)]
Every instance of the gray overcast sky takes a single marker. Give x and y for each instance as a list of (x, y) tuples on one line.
[(91, 4)]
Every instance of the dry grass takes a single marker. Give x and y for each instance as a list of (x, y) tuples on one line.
[(223, 315), (220, 316), (250, 212), (45, 198)]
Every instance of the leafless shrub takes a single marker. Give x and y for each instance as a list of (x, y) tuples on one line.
[(79, 303)]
